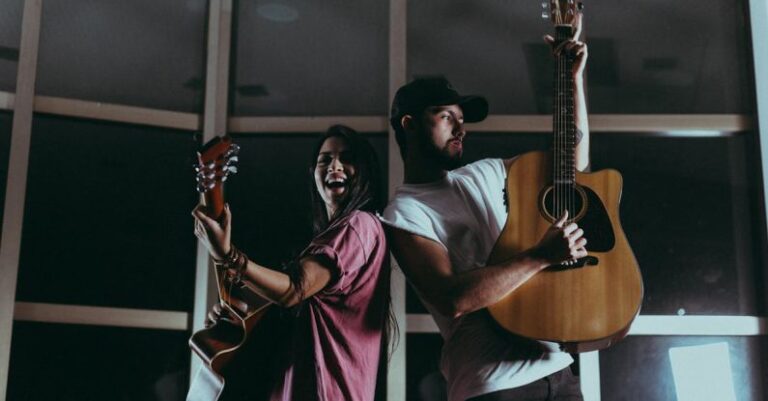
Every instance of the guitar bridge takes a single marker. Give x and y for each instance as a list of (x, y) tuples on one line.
[(576, 264)]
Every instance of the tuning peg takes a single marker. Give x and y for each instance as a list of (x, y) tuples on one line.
[(233, 150), (544, 15), (204, 167), (231, 169), (233, 159), (580, 5)]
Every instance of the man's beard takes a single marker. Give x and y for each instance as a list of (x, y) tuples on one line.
[(442, 156)]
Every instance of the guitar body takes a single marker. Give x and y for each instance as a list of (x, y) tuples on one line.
[(233, 349), (583, 307), (217, 345), (232, 369)]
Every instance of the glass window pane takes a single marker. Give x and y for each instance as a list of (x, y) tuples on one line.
[(10, 39), (654, 57), (311, 58), (479, 46), (6, 124), (642, 59), (643, 368), (107, 216), (690, 208), (424, 381), (140, 53), (68, 363), (269, 196)]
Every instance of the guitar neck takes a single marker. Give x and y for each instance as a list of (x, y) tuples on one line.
[(214, 201), (564, 122)]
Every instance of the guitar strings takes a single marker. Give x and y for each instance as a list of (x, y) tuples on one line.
[(564, 160), (564, 188), (566, 151), (563, 149), (557, 139)]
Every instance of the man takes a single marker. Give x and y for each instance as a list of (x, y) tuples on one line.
[(442, 225)]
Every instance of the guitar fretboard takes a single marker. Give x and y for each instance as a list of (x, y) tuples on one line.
[(564, 128)]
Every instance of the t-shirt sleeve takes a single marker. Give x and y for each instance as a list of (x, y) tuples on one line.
[(345, 249), (409, 217), (491, 173)]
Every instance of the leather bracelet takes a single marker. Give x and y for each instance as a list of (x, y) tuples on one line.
[(228, 259), (234, 264), (239, 267)]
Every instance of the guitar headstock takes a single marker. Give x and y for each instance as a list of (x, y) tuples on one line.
[(216, 162), (564, 13)]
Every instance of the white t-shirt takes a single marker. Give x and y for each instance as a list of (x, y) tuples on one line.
[(465, 213)]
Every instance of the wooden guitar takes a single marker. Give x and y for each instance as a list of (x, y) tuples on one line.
[(219, 345), (586, 304)]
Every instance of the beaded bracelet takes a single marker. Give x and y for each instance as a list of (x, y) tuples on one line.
[(234, 263)]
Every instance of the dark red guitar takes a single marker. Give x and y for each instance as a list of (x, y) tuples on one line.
[(219, 345)]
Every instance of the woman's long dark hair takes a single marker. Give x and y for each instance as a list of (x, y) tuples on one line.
[(365, 192)]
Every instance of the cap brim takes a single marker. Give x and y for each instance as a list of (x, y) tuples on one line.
[(475, 108)]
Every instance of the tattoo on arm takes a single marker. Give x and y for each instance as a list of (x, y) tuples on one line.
[(579, 137)]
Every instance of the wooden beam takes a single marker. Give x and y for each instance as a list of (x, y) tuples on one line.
[(108, 112), (398, 15), (16, 187), (6, 100), (101, 316), (290, 125), (622, 123), (758, 12), (676, 124), (117, 113), (214, 123)]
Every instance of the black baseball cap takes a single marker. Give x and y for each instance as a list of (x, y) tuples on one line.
[(421, 93)]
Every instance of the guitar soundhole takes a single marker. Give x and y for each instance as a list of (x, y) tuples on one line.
[(571, 198), (591, 216)]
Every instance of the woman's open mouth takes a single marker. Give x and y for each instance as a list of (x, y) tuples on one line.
[(336, 184)]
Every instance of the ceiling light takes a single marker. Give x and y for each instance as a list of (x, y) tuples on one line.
[(278, 12)]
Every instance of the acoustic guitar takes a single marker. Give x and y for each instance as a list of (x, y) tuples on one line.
[(219, 345), (590, 303)]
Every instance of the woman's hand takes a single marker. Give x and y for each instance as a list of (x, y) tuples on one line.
[(215, 235), (216, 314)]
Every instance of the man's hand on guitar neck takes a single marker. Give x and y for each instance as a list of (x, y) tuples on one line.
[(573, 47), (577, 50)]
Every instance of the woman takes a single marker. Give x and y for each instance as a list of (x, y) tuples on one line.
[(341, 280)]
